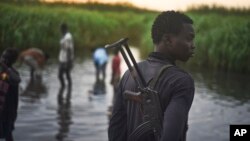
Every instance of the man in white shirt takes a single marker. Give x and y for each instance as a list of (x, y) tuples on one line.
[(66, 55)]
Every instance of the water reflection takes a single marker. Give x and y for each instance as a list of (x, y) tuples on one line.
[(99, 87), (34, 89), (64, 113), (220, 99), (227, 86), (67, 114)]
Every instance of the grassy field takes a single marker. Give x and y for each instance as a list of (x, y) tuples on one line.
[(37, 25), (222, 41), (222, 36)]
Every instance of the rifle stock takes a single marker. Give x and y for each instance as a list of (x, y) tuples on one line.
[(117, 44), (133, 96)]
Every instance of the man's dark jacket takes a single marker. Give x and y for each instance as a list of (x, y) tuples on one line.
[(176, 92), (9, 113)]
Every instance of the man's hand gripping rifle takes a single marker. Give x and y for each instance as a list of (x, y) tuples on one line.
[(148, 98)]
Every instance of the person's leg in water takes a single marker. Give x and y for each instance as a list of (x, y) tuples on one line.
[(103, 69), (68, 76), (60, 75), (32, 71), (97, 68)]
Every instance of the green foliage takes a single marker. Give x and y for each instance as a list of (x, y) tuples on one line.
[(222, 36), (146, 42), (37, 25), (222, 42)]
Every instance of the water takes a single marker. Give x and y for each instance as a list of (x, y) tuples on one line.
[(47, 113), (220, 100)]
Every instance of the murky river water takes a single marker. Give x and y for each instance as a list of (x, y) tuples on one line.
[(47, 113)]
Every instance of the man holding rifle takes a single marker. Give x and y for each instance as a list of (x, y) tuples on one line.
[(172, 35)]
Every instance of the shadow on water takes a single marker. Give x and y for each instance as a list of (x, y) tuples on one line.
[(99, 87), (64, 113)]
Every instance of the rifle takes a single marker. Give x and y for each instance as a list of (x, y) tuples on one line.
[(147, 97)]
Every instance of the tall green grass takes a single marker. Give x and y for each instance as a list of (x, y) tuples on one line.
[(222, 40), (222, 36), (38, 26)]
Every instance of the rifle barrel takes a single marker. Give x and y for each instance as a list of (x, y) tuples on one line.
[(141, 78)]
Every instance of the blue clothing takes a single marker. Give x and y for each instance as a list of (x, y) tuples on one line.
[(100, 56)]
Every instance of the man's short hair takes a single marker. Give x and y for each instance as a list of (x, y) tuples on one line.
[(168, 22), (11, 54), (64, 27)]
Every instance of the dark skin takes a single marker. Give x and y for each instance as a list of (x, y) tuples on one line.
[(180, 46)]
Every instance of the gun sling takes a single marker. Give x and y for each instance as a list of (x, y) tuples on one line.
[(146, 126)]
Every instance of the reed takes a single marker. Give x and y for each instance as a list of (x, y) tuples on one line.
[(222, 35), (25, 26)]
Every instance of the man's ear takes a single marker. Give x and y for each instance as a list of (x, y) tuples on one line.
[(167, 39)]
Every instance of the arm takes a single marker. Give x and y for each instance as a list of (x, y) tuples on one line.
[(176, 113), (118, 123)]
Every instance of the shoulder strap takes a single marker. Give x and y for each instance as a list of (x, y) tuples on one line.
[(155, 79), (146, 127)]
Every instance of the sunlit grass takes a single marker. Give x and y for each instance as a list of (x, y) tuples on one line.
[(222, 35)]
